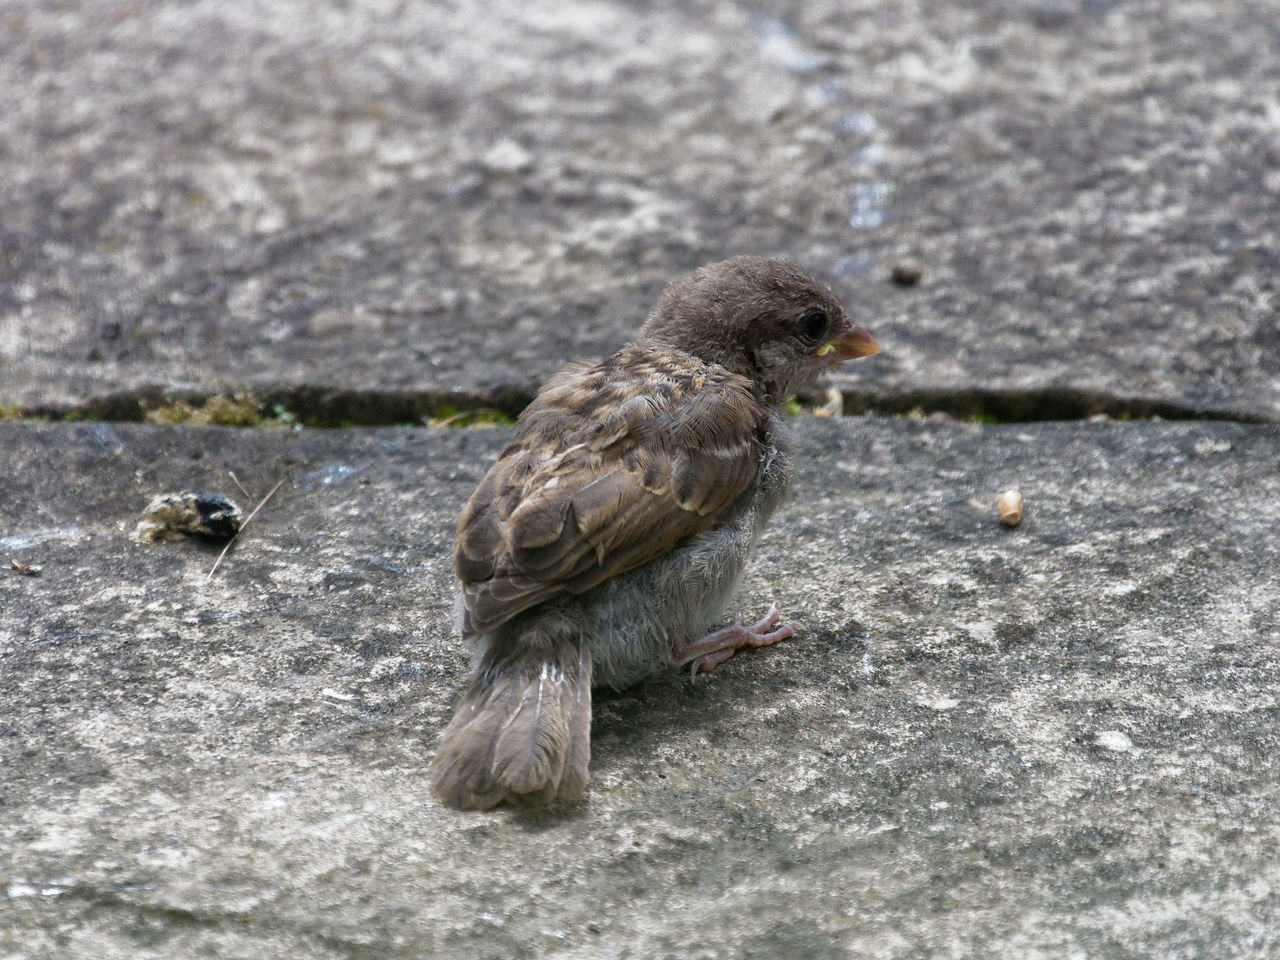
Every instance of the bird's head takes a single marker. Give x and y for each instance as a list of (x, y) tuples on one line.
[(763, 318)]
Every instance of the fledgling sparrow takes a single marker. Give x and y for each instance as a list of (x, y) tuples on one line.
[(612, 531)]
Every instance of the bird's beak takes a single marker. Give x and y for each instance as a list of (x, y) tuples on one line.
[(852, 343)]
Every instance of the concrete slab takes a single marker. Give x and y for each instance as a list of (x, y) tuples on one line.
[(355, 206), (1049, 741)]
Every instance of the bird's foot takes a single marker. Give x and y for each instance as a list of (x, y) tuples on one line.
[(720, 645)]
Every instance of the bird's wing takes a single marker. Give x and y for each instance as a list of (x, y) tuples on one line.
[(612, 465)]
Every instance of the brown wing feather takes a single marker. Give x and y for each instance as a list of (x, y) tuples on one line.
[(612, 465)]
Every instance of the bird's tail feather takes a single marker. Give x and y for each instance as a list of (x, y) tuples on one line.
[(522, 732)]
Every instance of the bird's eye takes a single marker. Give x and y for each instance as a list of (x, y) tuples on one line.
[(812, 324)]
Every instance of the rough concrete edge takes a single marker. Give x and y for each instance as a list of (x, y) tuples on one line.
[(332, 406)]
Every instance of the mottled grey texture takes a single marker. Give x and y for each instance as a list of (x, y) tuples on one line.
[(1037, 742), (378, 196)]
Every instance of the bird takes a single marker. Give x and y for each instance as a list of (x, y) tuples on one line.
[(611, 533)]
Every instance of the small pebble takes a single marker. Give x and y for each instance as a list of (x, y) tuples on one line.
[(905, 273), (1009, 506)]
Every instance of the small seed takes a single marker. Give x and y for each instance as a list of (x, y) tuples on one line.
[(1009, 506)]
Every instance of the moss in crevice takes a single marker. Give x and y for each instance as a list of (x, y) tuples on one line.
[(238, 410), (221, 410), (476, 419)]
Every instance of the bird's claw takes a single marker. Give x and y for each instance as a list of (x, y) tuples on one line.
[(718, 646)]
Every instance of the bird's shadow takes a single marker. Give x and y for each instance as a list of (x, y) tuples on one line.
[(629, 726)]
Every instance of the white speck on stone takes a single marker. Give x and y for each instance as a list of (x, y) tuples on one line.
[(1122, 588), (981, 631), (21, 541), (507, 156), (779, 44), (337, 695), (326, 476), (1113, 740), (861, 122), (1207, 446), (883, 828), (270, 221), (871, 155), (867, 210), (941, 703), (277, 800), (16, 890)]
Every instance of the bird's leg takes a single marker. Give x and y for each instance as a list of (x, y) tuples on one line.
[(720, 645)]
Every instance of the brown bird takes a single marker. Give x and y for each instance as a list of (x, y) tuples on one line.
[(612, 531)]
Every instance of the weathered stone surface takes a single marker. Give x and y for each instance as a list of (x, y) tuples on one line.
[(1051, 741), (377, 196), (1047, 741)]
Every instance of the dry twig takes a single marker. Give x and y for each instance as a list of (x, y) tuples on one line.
[(261, 504), (232, 474)]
